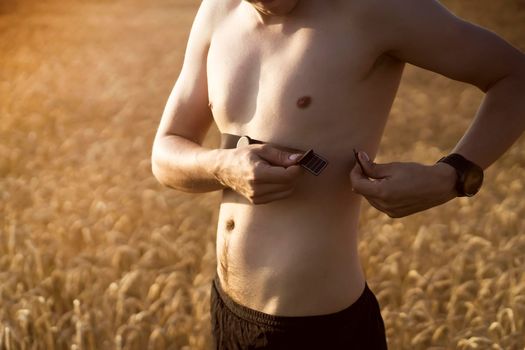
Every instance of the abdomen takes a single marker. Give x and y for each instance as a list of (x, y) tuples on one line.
[(269, 254)]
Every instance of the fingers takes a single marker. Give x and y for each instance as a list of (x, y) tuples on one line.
[(374, 192), (263, 192), (277, 157), (262, 173), (371, 169), (266, 173), (271, 183), (399, 189), (363, 185)]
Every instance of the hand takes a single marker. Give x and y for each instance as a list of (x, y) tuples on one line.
[(401, 189), (262, 173)]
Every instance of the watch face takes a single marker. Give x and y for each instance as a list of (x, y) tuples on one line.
[(472, 182)]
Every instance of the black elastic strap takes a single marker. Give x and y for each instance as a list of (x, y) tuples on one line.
[(310, 160)]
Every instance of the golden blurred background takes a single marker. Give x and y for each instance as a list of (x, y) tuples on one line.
[(95, 254)]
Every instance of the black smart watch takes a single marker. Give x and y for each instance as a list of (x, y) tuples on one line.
[(469, 174)]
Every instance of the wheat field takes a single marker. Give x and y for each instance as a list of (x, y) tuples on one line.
[(95, 254)]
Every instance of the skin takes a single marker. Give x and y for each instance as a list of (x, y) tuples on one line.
[(287, 240)]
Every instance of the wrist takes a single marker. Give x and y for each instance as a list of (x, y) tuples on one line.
[(469, 174), (447, 177), (217, 165)]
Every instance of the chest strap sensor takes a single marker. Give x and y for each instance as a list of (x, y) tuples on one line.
[(310, 160)]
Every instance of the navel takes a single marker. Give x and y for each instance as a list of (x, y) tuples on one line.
[(210, 105), (230, 224), (304, 102)]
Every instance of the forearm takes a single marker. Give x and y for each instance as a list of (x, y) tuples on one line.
[(498, 124), (186, 166)]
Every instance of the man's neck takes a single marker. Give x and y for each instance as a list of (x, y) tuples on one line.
[(268, 10)]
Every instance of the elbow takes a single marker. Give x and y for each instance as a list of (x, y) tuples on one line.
[(515, 80), (160, 175), (485, 88), (156, 166), (156, 169), (163, 169), (520, 72), (514, 77)]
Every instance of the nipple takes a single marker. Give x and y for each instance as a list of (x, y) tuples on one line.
[(230, 225), (304, 102)]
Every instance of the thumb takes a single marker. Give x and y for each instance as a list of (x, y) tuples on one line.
[(371, 169), (278, 157)]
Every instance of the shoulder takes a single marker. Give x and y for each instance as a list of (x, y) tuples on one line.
[(213, 12), (220, 7), (209, 16), (392, 22), (392, 8), (385, 13)]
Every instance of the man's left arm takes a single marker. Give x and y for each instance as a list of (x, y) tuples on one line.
[(424, 33)]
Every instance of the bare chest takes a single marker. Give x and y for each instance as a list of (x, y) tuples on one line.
[(287, 77)]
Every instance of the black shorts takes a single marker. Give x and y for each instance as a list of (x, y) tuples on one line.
[(234, 326)]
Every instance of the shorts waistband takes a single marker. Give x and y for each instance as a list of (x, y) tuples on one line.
[(352, 312)]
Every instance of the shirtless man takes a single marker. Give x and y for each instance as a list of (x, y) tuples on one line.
[(321, 75)]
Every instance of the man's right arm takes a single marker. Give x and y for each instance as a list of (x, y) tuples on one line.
[(261, 173), (178, 159)]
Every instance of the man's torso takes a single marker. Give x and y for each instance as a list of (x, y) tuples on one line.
[(298, 256)]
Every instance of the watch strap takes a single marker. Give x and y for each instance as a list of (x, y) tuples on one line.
[(462, 165)]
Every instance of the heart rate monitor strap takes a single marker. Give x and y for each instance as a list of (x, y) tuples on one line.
[(313, 162), (310, 160)]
